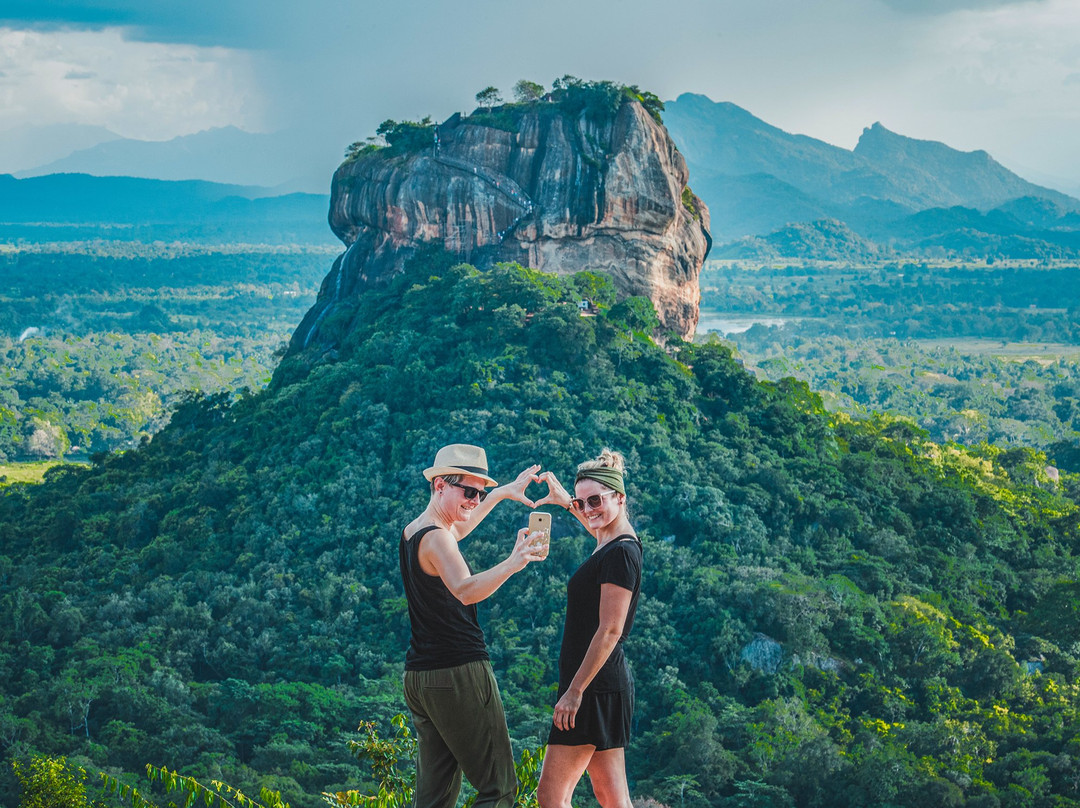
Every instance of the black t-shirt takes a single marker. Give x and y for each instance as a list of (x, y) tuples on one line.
[(617, 562), (445, 632)]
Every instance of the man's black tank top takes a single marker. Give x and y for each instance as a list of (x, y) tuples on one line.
[(445, 632)]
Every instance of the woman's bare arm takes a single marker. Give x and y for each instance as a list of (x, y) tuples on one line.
[(439, 555), (614, 606)]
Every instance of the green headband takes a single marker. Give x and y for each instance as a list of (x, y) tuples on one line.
[(612, 478)]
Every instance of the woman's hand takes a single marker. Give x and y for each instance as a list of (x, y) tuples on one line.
[(513, 490), (556, 495), (529, 547), (516, 489), (566, 710)]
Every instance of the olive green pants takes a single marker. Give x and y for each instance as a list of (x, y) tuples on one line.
[(461, 727)]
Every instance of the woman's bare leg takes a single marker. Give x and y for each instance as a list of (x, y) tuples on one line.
[(563, 767), (607, 772)]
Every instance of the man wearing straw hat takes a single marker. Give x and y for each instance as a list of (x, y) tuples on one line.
[(449, 685)]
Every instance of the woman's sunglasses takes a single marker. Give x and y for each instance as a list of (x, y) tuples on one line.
[(594, 501), (471, 492)]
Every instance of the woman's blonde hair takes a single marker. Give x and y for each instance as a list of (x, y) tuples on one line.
[(606, 459), (607, 469)]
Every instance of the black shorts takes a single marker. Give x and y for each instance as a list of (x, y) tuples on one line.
[(602, 721)]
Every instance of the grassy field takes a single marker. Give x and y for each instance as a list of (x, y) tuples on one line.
[(1043, 352), (26, 472)]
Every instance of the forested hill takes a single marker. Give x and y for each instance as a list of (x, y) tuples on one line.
[(833, 613)]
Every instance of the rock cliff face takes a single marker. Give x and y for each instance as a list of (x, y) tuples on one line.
[(557, 192)]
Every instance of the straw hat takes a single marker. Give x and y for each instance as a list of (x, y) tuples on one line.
[(460, 458)]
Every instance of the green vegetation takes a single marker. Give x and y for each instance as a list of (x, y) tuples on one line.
[(688, 203), (569, 96), (50, 783), (970, 354), (99, 342), (954, 392), (54, 783), (31, 472), (489, 97), (1018, 302), (405, 136), (836, 612), (399, 136), (601, 98), (651, 101), (526, 91), (362, 148), (821, 240)]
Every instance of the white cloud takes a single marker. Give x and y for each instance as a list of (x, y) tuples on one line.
[(935, 7), (999, 80), (147, 90), (1001, 75), (1017, 57)]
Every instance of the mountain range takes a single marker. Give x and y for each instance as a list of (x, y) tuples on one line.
[(66, 207), (767, 190), (226, 155), (26, 147), (758, 179)]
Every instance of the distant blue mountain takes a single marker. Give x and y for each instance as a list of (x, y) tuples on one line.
[(1028, 228), (889, 192), (62, 207), (25, 146), (281, 160), (756, 178), (931, 174)]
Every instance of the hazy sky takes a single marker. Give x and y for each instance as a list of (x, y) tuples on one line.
[(1003, 75)]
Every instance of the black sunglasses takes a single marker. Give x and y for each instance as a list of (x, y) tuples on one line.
[(470, 492), (594, 501)]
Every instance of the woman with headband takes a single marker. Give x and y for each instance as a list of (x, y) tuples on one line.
[(591, 725)]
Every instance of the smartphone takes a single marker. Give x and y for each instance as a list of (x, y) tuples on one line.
[(539, 520)]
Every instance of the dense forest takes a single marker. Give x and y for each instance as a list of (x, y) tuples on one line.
[(970, 354), (835, 611), (1020, 302), (99, 341)]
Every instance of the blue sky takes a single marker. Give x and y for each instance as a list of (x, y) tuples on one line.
[(994, 74)]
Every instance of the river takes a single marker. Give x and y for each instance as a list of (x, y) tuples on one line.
[(727, 323)]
